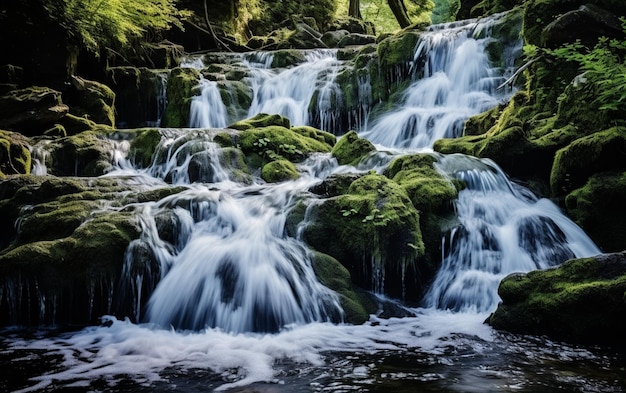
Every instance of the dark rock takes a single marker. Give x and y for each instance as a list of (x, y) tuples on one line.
[(31, 110)]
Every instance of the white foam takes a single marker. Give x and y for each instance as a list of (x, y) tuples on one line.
[(143, 352)]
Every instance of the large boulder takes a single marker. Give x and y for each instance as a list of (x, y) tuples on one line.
[(32, 110), (15, 155), (92, 100), (581, 301), (64, 260), (374, 231)]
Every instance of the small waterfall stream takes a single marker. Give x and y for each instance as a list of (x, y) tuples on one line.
[(234, 302)]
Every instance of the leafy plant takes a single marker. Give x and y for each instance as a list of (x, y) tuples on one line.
[(604, 67), (114, 24)]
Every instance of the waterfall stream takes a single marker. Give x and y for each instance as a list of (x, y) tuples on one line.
[(234, 301)]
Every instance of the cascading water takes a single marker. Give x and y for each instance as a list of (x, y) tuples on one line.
[(208, 110), (458, 81), (504, 229), (215, 258)]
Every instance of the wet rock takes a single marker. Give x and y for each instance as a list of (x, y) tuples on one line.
[(31, 110), (586, 23), (581, 301)]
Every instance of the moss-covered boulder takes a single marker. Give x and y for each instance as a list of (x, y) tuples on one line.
[(432, 194), (92, 100), (143, 146), (63, 262), (599, 208), (31, 110), (279, 170), (261, 120), (603, 151), (581, 301), (182, 85), (15, 155), (356, 303), (84, 154), (350, 149), (374, 231), (266, 138)]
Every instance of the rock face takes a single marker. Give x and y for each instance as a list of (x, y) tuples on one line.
[(581, 301), (30, 111)]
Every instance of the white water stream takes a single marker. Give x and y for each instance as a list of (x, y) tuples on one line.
[(233, 274)]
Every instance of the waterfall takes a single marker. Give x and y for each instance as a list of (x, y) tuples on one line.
[(232, 266), (503, 229), (455, 81), (208, 110), (289, 92)]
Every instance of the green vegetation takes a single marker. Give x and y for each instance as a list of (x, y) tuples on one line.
[(97, 25), (581, 301)]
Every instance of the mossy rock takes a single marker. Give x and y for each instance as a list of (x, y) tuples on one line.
[(398, 49), (144, 145), (261, 120), (15, 155), (31, 110), (314, 133), (373, 226), (273, 142), (92, 100), (183, 84), (357, 304), (429, 191), (57, 131), (350, 149), (600, 152), (581, 301), (279, 170), (54, 220), (84, 154), (599, 208), (75, 124), (67, 251), (287, 58)]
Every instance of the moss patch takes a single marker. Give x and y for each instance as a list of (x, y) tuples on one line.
[(599, 208), (279, 170), (581, 301), (350, 149)]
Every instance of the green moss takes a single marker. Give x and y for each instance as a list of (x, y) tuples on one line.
[(279, 170), (373, 223), (75, 125), (15, 155), (143, 146), (92, 100), (356, 305), (429, 191), (53, 220), (598, 207), (314, 133), (287, 58), (398, 49), (57, 131), (600, 152), (274, 142), (234, 161), (261, 120), (580, 301), (182, 85), (224, 139), (84, 154), (350, 149)]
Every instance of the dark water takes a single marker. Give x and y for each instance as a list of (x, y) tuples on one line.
[(434, 352)]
